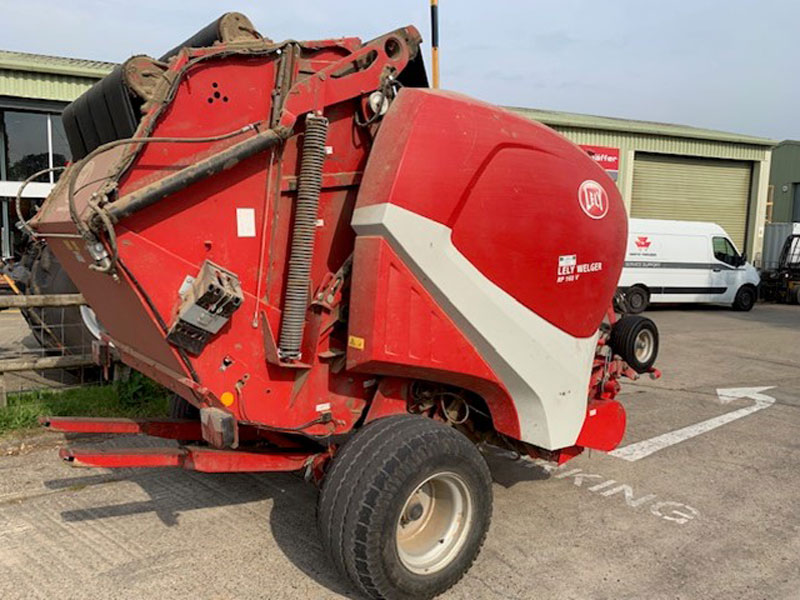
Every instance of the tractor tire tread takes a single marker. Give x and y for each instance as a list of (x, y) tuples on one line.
[(337, 487), (376, 467)]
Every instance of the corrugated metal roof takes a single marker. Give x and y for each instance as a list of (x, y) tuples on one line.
[(563, 119), (41, 77), (54, 65)]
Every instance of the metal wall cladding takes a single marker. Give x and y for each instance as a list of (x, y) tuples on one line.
[(42, 86), (775, 235), (687, 188), (663, 144), (784, 174)]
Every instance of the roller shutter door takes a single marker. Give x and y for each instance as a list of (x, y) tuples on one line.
[(693, 189)]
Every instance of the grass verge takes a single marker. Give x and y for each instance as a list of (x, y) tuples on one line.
[(136, 397)]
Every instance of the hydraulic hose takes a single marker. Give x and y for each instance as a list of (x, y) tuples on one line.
[(301, 253), (18, 201)]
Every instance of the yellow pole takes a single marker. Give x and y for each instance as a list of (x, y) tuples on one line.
[(435, 42), (11, 284)]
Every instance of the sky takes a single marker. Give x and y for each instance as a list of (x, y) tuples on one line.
[(720, 64)]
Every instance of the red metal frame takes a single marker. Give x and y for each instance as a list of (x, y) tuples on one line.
[(175, 429), (207, 460)]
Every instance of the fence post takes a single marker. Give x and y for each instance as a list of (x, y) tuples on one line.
[(3, 396)]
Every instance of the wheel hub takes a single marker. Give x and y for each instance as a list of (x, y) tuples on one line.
[(434, 523), (644, 345)]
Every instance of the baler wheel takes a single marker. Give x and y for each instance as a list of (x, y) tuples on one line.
[(635, 339), (405, 507), (181, 409), (61, 328)]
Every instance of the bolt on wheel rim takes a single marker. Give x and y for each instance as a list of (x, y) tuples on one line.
[(643, 348), (434, 523)]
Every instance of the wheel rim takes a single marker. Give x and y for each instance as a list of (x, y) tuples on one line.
[(643, 348), (434, 523), (749, 298), (89, 319)]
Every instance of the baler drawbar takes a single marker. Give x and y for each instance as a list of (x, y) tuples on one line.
[(339, 271)]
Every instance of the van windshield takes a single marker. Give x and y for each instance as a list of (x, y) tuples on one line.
[(725, 252)]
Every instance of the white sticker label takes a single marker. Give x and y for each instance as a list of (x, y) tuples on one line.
[(246, 222), (567, 260), (325, 407)]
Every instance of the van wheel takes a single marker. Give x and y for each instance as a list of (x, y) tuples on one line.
[(405, 507), (635, 339), (795, 294), (636, 299), (745, 299)]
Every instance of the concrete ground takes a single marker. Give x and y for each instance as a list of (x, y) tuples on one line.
[(713, 512)]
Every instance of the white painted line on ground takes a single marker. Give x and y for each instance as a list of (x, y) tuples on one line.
[(669, 510), (644, 448)]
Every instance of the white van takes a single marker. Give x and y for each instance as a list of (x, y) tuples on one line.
[(685, 261)]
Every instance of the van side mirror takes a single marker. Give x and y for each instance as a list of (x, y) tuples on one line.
[(743, 259)]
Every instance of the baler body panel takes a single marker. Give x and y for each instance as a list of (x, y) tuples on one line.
[(483, 207), (397, 328), (509, 190), (169, 241), (478, 260)]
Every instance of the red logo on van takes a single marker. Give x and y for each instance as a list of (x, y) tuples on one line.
[(642, 242), (593, 199)]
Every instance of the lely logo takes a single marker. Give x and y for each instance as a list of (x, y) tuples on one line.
[(593, 199)]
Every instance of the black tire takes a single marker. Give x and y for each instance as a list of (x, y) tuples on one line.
[(635, 339), (55, 328), (367, 490), (745, 299), (636, 299), (181, 409), (795, 294)]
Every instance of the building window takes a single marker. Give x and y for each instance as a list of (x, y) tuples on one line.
[(32, 142), (29, 142)]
